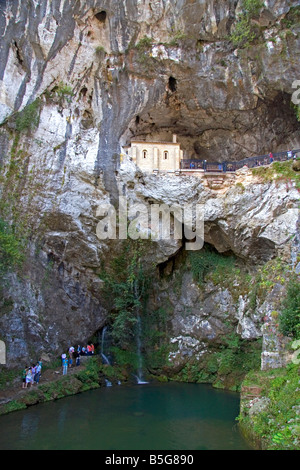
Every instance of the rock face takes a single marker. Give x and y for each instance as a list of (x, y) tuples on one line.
[(251, 220), (103, 72)]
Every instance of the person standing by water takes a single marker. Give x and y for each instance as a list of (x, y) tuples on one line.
[(77, 359), (71, 355), (64, 364), (38, 373), (24, 373), (29, 377), (33, 371)]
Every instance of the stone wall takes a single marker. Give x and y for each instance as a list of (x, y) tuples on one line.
[(161, 156)]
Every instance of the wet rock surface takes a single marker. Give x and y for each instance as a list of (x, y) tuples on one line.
[(99, 85)]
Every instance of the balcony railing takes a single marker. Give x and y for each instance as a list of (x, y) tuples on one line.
[(251, 162)]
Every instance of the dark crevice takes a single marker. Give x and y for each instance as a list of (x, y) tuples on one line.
[(101, 16), (18, 54), (172, 85)]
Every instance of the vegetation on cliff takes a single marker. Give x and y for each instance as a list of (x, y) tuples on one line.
[(130, 282), (270, 408), (278, 172), (11, 248), (246, 31), (289, 320)]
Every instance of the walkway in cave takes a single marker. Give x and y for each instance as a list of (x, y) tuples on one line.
[(252, 162)]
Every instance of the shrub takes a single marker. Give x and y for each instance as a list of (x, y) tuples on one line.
[(125, 288), (289, 321), (100, 50), (252, 7), (209, 261), (11, 248), (276, 426), (64, 91), (144, 43), (245, 31), (28, 118)]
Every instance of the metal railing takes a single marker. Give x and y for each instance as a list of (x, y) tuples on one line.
[(251, 162)]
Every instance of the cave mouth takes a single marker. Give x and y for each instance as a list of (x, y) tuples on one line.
[(101, 16), (203, 260), (172, 84), (213, 134)]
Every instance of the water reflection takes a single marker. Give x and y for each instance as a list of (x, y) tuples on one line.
[(29, 426), (150, 417)]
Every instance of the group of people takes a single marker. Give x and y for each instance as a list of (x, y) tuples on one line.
[(67, 361), (229, 167), (31, 375)]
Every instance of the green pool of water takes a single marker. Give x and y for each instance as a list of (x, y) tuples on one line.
[(172, 416)]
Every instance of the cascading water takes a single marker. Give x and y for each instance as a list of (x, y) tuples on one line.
[(103, 344), (139, 376), (104, 357)]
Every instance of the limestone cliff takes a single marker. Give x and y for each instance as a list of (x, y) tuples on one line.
[(78, 80)]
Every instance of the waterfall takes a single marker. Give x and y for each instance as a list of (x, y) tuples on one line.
[(104, 342), (108, 383), (139, 375), (103, 339)]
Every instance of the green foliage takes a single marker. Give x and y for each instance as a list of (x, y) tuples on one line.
[(90, 375), (227, 366), (28, 118), (276, 425), (272, 272), (278, 172), (289, 320), (240, 186), (123, 357), (144, 57), (13, 405), (8, 376), (292, 18), (100, 50), (252, 7), (144, 43), (126, 287), (64, 90), (245, 32), (209, 261), (155, 337), (238, 355), (59, 93), (176, 38), (11, 248), (296, 108)]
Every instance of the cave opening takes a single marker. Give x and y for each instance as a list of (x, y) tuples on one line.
[(83, 91), (172, 84), (101, 16), (203, 260)]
